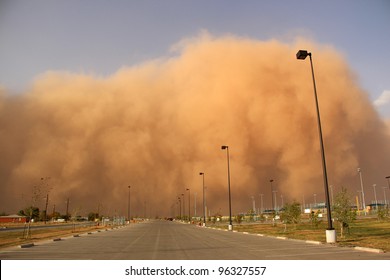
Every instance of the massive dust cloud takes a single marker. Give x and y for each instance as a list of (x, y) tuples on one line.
[(156, 125)]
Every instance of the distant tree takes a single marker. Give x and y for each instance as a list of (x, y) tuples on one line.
[(314, 219), (31, 211), (65, 217), (251, 214), (291, 213), (22, 213), (42, 215), (93, 216), (262, 217), (238, 218), (383, 213), (342, 210)]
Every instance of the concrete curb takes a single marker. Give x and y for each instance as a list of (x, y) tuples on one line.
[(313, 242), (28, 245), (371, 250)]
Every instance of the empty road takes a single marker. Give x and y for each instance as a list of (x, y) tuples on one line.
[(164, 240)]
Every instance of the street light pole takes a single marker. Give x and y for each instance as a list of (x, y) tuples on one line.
[(204, 201), (388, 183), (47, 189), (230, 198), (275, 201), (330, 233), (361, 185), (47, 203), (359, 198), (184, 207), (128, 206), (67, 209), (179, 208), (376, 201), (272, 195), (195, 204), (189, 204), (261, 203), (384, 195)]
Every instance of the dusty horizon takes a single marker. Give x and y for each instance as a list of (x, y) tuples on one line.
[(156, 125)]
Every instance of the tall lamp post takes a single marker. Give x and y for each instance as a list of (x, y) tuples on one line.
[(204, 201), (128, 206), (45, 184), (376, 200), (67, 209), (179, 207), (189, 205), (330, 232), (272, 195), (184, 207), (261, 203), (388, 184), (361, 185), (230, 197)]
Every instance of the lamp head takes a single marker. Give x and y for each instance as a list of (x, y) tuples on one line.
[(224, 147), (302, 54), (201, 173)]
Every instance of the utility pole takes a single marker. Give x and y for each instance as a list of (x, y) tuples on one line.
[(47, 202), (54, 212), (195, 205), (67, 209)]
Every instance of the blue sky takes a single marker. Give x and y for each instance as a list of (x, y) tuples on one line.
[(99, 36)]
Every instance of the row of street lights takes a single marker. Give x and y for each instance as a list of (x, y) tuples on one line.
[(330, 232), (374, 186), (224, 147)]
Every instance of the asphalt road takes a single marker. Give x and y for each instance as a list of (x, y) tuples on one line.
[(164, 240)]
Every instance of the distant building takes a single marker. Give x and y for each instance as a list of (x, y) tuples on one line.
[(374, 206), (13, 219)]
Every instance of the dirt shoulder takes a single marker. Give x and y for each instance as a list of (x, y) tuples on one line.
[(18, 237)]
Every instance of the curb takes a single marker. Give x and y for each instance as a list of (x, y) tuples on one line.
[(371, 250), (365, 249), (313, 242), (28, 245)]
